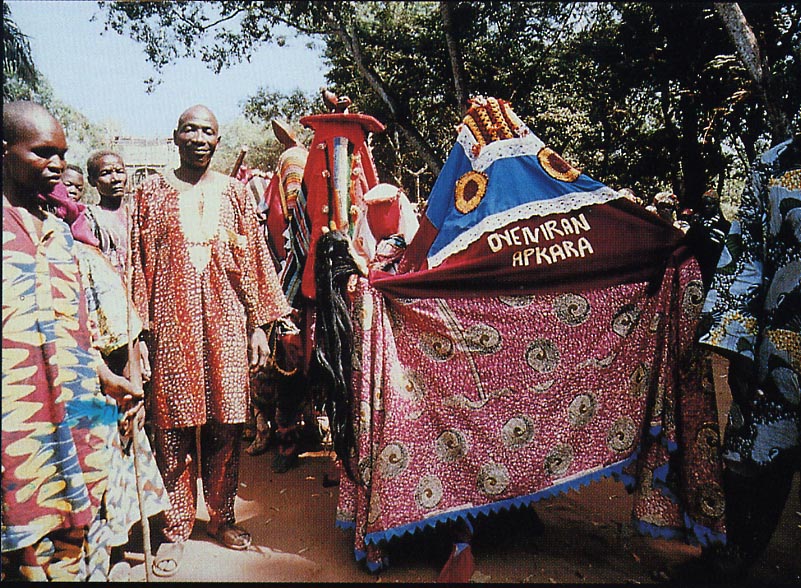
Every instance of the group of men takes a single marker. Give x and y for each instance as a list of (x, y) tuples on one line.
[(203, 292)]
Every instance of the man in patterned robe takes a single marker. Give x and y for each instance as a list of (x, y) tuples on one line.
[(205, 288), (56, 422), (752, 316)]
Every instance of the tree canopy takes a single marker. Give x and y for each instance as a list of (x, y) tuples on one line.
[(647, 95)]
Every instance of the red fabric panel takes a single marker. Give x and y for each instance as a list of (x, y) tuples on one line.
[(276, 223), (353, 127), (628, 244)]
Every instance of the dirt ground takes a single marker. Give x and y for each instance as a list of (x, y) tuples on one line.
[(586, 538)]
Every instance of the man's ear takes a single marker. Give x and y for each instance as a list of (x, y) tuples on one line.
[(92, 182)]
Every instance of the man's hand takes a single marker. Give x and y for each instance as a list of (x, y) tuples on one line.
[(119, 388), (144, 360), (259, 350)]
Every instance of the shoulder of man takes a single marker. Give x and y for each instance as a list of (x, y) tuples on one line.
[(151, 183)]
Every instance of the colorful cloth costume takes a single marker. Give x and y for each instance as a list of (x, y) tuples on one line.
[(286, 229), (753, 310), (203, 281), (339, 171), (752, 314), (106, 294), (523, 349), (57, 425), (110, 227)]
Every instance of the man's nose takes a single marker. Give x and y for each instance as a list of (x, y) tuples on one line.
[(56, 161)]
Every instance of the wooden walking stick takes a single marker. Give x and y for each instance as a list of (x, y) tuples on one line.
[(240, 159), (136, 379)]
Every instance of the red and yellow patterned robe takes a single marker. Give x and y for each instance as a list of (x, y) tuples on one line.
[(202, 281)]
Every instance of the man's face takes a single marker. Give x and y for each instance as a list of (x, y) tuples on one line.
[(111, 177), (73, 181), (36, 161), (196, 137)]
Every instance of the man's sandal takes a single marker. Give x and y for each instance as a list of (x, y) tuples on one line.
[(232, 536), (168, 559)]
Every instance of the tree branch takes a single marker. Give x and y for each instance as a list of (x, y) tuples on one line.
[(378, 85), (455, 54), (747, 46)]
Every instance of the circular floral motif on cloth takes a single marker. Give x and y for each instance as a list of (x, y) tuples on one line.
[(708, 442), (621, 434), (451, 445), (571, 309), (711, 501), (556, 167), (409, 383), (435, 346), (542, 355), (581, 410), (482, 339), (366, 469), (393, 460), (638, 380), (693, 299), (625, 319), (469, 191), (559, 459), (517, 432), (516, 301), (493, 478), (428, 493)]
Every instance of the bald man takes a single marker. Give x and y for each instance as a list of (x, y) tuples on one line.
[(206, 288), (57, 415)]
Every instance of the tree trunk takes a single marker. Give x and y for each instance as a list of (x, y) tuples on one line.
[(398, 110), (747, 46), (455, 54)]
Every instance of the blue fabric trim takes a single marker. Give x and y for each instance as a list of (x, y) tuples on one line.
[(656, 432), (495, 507), (703, 535), (460, 547), (345, 525), (693, 532)]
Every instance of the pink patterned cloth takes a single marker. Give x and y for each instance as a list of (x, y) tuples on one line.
[(71, 212), (474, 405)]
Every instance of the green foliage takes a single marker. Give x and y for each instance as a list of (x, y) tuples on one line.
[(263, 148), (645, 95), (19, 72)]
